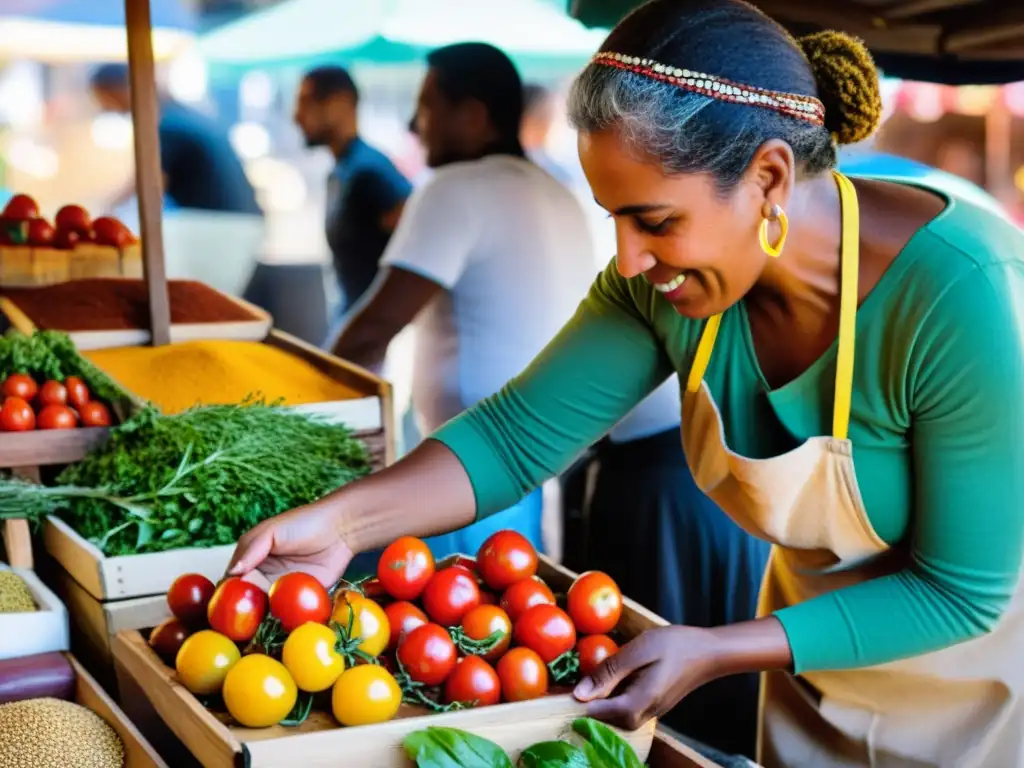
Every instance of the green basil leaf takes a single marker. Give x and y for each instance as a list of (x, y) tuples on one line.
[(451, 748), (554, 754), (610, 748), (421, 748)]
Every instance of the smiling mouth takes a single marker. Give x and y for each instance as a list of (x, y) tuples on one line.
[(671, 285)]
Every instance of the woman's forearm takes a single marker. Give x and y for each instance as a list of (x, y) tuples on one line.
[(751, 646), (426, 493)]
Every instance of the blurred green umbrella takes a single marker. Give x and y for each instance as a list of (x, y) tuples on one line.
[(303, 32)]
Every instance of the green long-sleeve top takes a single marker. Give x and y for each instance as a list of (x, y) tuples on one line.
[(937, 425)]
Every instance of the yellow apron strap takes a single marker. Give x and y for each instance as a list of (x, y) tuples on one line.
[(850, 255), (703, 356)]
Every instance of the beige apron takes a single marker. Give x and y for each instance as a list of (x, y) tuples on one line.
[(956, 707)]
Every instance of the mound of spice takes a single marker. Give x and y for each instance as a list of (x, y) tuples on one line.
[(217, 372), (108, 304), (51, 732), (15, 596)]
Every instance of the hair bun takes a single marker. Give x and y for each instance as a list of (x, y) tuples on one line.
[(847, 84)]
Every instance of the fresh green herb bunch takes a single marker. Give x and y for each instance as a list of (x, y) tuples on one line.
[(200, 478), (52, 355)]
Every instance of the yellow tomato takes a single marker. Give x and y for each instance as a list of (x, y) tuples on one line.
[(259, 692), (204, 660), (365, 695), (310, 657), (370, 622)]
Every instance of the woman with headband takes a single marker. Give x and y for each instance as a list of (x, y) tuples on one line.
[(853, 354)]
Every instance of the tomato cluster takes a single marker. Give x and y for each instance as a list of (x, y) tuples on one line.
[(472, 632), (27, 405), (22, 224)]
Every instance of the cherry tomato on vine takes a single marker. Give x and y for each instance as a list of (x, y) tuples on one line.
[(523, 675), (17, 415), (56, 417), (20, 385), (594, 649), (78, 392), (546, 629), (595, 603), (236, 609), (258, 691), (405, 568), (505, 558), (204, 660), (53, 393), (368, 620), (189, 597), (95, 414), (403, 617), (297, 598), (450, 595), (524, 595), (365, 695), (428, 654), (473, 681), (310, 656), (484, 621)]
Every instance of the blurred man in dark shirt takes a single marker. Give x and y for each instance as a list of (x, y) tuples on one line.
[(201, 169), (365, 192)]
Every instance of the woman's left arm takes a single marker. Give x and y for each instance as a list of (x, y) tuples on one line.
[(966, 380)]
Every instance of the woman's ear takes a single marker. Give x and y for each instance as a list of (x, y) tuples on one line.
[(773, 171)]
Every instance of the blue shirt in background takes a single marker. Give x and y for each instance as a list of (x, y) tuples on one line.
[(201, 167), (362, 189)]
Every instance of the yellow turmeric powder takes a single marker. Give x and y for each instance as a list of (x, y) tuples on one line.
[(217, 372)]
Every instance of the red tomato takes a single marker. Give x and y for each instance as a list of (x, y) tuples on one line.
[(41, 233), (297, 598), (57, 417), (594, 603), (505, 558), (20, 385), (523, 595), (405, 568), (236, 609), (94, 414), (189, 597), (73, 219), (450, 595), (474, 682), (78, 392), (21, 207), (67, 240), (53, 393), (594, 649), (373, 589), (465, 562), (484, 621), (403, 618), (167, 639), (523, 675), (428, 654), (546, 629), (17, 415), (109, 231)]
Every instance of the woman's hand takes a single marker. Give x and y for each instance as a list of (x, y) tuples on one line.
[(663, 665), (304, 539)]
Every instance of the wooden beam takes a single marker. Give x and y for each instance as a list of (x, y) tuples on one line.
[(912, 8), (148, 173)]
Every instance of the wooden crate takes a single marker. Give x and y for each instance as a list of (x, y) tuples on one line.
[(44, 630), (668, 752), (138, 752), (318, 742)]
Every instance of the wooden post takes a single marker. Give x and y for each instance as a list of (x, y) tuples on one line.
[(148, 173)]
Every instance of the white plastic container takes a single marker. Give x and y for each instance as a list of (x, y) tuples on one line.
[(41, 631)]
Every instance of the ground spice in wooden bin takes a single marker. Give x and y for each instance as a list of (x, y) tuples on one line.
[(103, 304), (217, 372)]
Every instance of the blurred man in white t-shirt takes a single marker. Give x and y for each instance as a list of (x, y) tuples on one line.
[(491, 257)]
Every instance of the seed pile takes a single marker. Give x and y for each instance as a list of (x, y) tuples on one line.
[(51, 732), (14, 594)]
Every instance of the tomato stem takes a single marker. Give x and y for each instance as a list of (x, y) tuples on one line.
[(412, 693), (269, 637), (473, 647), (303, 706), (348, 646), (566, 667)]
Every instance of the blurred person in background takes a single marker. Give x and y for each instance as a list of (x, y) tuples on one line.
[(204, 183), (539, 115), (365, 192), (490, 258)]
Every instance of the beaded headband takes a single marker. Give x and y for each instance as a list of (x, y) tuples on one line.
[(803, 107)]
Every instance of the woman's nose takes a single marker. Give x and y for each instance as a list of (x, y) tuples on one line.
[(631, 263)]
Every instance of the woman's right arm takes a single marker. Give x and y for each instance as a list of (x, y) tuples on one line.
[(603, 362)]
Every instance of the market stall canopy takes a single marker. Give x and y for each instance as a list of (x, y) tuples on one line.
[(304, 32), (58, 31), (954, 42)]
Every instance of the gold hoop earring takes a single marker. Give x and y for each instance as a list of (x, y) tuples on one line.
[(779, 215)]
